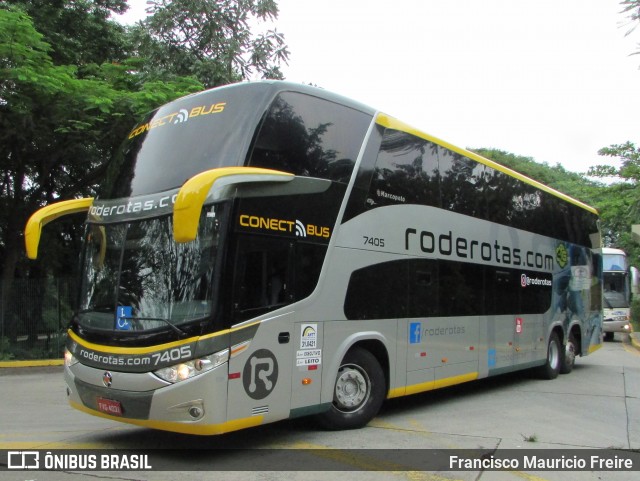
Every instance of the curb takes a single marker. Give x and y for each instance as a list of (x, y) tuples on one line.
[(33, 363)]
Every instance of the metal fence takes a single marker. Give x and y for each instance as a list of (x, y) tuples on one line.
[(34, 314)]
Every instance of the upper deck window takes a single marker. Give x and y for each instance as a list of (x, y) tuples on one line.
[(309, 136)]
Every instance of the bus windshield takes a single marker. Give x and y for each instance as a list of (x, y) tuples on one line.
[(615, 290), (614, 262), (182, 139), (136, 278)]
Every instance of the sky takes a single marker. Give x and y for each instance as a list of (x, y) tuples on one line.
[(554, 80)]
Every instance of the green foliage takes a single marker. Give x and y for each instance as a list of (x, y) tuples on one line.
[(621, 201), (635, 314), (59, 126), (73, 82), (629, 157), (5, 349), (210, 40), (78, 31), (632, 9)]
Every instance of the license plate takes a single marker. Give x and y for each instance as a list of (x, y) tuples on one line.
[(110, 406)]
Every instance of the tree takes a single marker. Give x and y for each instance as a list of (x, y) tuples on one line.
[(632, 9), (57, 129), (73, 81), (79, 32), (210, 39), (621, 204)]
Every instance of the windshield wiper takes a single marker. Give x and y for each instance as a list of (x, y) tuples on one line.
[(101, 309), (179, 331)]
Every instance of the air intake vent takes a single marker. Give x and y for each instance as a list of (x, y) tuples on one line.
[(259, 410)]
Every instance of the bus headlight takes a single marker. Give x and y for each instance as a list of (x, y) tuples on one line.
[(195, 367), (69, 359)]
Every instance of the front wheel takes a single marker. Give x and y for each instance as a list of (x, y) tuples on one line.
[(358, 392), (551, 368)]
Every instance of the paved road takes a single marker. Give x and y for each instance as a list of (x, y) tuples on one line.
[(596, 406)]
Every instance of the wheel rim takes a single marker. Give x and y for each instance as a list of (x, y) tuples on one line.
[(353, 388), (554, 355), (570, 353)]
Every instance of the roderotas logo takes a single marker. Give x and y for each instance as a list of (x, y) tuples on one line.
[(526, 281)]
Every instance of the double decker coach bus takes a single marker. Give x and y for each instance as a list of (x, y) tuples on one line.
[(267, 250), (616, 294)]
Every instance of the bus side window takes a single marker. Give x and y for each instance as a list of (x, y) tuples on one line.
[(262, 276)]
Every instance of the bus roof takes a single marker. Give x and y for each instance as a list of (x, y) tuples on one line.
[(392, 123), (611, 250)]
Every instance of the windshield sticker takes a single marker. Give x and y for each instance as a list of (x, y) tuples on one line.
[(123, 321), (308, 336), (119, 210), (179, 117)]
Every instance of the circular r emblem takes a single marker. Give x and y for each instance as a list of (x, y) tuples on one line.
[(260, 374)]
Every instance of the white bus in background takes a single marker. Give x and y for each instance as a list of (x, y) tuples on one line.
[(616, 292)]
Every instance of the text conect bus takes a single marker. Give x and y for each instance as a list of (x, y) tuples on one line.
[(267, 250)]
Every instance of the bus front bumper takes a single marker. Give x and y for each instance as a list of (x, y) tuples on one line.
[(194, 406), (610, 325)]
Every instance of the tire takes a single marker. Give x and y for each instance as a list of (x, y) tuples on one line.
[(358, 392), (608, 336), (551, 368), (569, 358)]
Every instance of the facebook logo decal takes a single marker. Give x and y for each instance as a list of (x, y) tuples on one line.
[(415, 332)]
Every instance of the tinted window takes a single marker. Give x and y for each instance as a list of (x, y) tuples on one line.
[(308, 136), (183, 138), (262, 276), (438, 288), (308, 264), (271, 272), (406, 171), (411, 170)]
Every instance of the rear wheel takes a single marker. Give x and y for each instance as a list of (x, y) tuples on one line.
[(551, 368), (570, 352), (358, 392)]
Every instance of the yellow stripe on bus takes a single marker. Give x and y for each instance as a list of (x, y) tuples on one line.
[(128, 350), (594, 347), (147, 350), (431, 385), (184, 428)]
